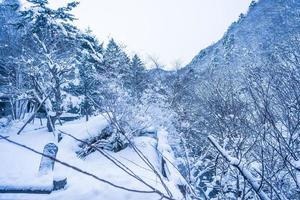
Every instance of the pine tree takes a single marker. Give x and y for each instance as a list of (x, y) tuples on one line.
[(48, 52), (89, 56), (138, 77), (115, 60)]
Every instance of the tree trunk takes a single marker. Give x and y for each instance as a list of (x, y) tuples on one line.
[(86, 106), (51, 123), (86, 116)]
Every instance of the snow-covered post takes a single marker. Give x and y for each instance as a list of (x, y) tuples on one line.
[(237, 164), (47, 164)]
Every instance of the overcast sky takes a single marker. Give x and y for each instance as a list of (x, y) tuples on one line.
[(171, 30)]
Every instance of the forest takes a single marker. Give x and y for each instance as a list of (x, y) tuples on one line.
[(226, 126)]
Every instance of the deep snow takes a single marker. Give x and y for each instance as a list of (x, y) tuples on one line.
[(20, 166)]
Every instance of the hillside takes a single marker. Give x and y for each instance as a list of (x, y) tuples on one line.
[(251, 39), (244, 91)]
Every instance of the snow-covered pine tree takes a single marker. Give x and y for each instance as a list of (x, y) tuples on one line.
[(116, 60), (89, 59), (48, 52), (138, 79)]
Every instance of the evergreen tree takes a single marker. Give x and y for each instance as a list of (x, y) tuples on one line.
[(137, 77), (48, 52), (89, 58), (115, 60)]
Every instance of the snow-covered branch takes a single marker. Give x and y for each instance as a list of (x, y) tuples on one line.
[(244, 172)]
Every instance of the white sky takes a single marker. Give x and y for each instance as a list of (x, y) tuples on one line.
[(170, 30)]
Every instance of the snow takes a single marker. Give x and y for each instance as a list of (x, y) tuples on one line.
[(69, 115), (71, 101), (19, 167), (166, 152), (297, 164), (98, 57), (4, 121), (82, 129), (43, 183)]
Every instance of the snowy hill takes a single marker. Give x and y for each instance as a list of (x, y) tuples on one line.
[(243, 90), (268, 25), (265, 38)]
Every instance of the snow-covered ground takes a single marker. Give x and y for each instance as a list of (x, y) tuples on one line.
[(19, 166)]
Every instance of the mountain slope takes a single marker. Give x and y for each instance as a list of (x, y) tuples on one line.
[(242, 90), (255, 36), (260, 39)]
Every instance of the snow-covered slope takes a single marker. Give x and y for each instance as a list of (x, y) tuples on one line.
[(20, 166), (259, 40), (268, 25)]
